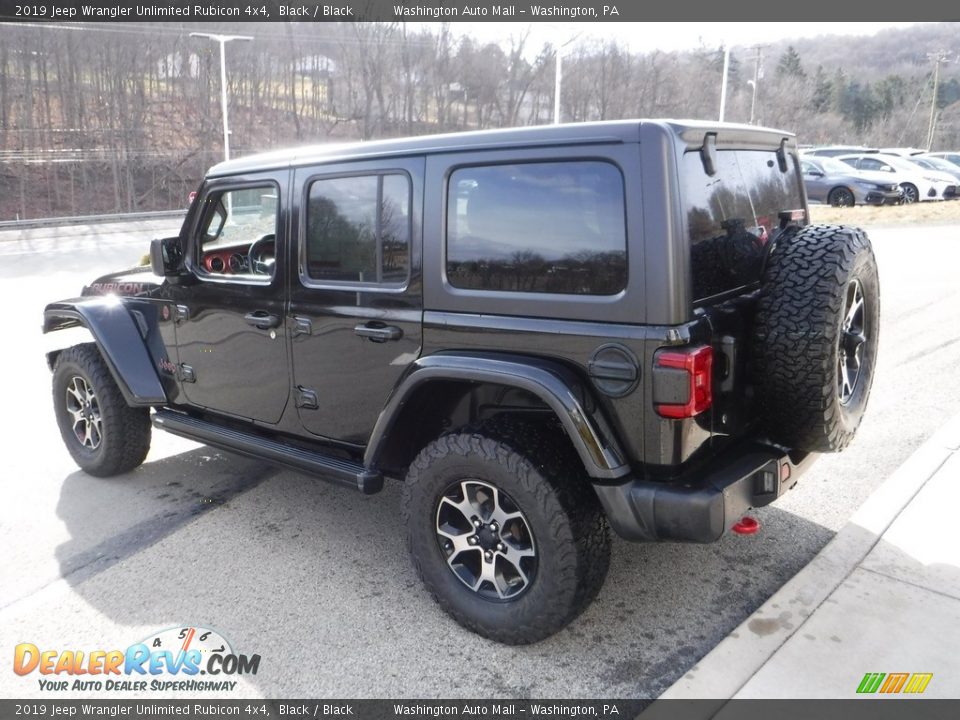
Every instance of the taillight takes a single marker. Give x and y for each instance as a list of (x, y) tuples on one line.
[(697, 364), (191, 197)]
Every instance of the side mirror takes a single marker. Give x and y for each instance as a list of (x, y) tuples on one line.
[(164, 256)]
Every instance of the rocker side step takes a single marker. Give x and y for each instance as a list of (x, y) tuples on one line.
[(336, 470)]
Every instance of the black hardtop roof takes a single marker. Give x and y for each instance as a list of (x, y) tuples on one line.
[(612, 131)]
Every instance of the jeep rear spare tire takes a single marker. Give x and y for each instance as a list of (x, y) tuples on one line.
[(817, 330)]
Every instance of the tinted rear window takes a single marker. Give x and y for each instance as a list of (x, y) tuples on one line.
[(731, 215), (554, 227)]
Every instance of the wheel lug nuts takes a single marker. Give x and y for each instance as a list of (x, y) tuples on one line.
[(477, 523), (472, 540), (488, 556), (494, 526), (501, 547)]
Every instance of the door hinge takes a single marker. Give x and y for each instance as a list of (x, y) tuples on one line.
[(301, 326), (307, 398), (186, 374)]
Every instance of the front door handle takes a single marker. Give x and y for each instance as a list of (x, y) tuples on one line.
[(378, 332), (262, 320)]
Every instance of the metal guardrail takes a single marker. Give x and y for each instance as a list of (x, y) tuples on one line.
[(89, 219)]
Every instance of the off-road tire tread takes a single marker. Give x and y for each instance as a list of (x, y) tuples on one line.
[(546, 465), (125, 429), (796, 335)]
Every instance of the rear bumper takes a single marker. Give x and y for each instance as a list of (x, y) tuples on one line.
[(700, 508)]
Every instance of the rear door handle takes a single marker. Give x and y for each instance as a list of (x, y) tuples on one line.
[(262, 319), (379, 333)]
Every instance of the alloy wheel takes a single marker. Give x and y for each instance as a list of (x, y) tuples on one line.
[(486, 539), (84, 410), (853, 338)]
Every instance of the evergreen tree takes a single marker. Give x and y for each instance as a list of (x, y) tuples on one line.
[(839, 85), (861, 105), (822, 91), (890, 94), (789, 64)]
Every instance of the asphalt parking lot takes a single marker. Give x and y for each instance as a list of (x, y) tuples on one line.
[(315, 578)]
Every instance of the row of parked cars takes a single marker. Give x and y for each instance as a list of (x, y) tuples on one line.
[(845, 175)]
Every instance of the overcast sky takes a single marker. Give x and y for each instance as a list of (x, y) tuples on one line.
[(666, 35)]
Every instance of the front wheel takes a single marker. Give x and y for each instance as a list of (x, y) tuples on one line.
[(505, 530), (910, 193), (103, 434), (841, 197)]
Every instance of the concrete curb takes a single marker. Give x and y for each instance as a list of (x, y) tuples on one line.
[(728, 667)]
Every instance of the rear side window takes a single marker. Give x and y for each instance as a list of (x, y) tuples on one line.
[(553, 227), (358, 229), (732, 214)]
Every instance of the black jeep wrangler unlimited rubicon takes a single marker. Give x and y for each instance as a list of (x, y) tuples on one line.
[(540, 332)]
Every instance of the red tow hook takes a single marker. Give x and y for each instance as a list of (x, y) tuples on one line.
[(747, 526)]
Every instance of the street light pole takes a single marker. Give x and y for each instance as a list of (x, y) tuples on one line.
[(556, 80), (723, 83), (755, 82), (223, 40), (556, 91)]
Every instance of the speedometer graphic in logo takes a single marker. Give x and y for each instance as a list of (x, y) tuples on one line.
[(181, 640)]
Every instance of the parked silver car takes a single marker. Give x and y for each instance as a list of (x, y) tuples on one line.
[(830, 181), (836, 150)]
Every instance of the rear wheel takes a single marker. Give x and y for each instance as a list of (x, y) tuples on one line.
[(841, 197), (816, 339), (103, 434), (505, 530)]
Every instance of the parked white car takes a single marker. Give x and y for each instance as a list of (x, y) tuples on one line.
[(918, 184), (937, 163)]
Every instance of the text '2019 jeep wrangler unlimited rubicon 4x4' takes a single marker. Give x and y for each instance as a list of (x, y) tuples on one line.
[(540, 332)]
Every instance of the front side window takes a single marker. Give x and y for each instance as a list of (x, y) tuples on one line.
[(358, 229), (238, 234), (552, 227)]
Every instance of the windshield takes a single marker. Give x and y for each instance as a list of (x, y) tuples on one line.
[(932, 163), (899, 163)]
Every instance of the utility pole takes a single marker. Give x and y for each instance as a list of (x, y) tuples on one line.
[(223, 40), (938, 58)]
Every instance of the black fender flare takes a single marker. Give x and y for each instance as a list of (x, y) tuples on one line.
[(555, 384), (120, 338)]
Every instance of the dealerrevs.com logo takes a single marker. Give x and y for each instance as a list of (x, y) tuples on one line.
[(179, 659)]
